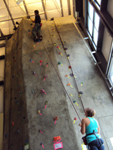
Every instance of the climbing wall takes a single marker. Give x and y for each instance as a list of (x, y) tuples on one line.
[(49, 84), (34, 86)]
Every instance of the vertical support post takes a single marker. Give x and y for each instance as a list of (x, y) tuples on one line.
[(69, 11), (74, 8), (86, 14), (26, 9), (44, 9), (10, 15), (61, 8)]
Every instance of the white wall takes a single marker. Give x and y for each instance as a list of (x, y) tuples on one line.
[(110, 7), (106, 47)]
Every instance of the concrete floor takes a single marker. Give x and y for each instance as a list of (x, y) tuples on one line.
[(95, 92)]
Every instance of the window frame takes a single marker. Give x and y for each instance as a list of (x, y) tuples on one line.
[(93, 23)]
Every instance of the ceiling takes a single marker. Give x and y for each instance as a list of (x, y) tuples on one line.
[(53, 8)]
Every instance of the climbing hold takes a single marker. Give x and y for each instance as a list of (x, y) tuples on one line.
[(42, 91), (74, 120), (68, 56), (55, 118), (34, 73), (31, 61), (81, 83), (60, 53), (70, 67), (69, 84), (46, 102), (65, 48), (52, 19), (71, 95), (12, 76), (17, 102), (57, 46), (80, 92), (54, 44), (40, 131), (45, 77), (64, 42), (19, 131), (59, 62), (75, 103), (26, 141), (26, 147), (71, 74), (28, 30), (41, 62), (67, 76), (39, 112), (32, 91), (13, 124), (42, 145), (47, 65), (5, 135)]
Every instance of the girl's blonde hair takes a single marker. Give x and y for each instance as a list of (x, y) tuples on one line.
[(90, 112)]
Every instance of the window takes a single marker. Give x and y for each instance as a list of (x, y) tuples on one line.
[(90, 11), (98, 3), (93, 21)]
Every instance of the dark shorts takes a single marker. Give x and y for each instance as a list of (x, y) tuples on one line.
[(97, 144)]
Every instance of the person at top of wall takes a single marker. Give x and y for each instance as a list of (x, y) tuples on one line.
[(89, 125), (36, 28)]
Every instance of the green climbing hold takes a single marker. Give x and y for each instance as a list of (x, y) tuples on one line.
[(59, 62)]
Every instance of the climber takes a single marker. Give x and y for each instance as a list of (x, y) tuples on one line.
[(36, 28)]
